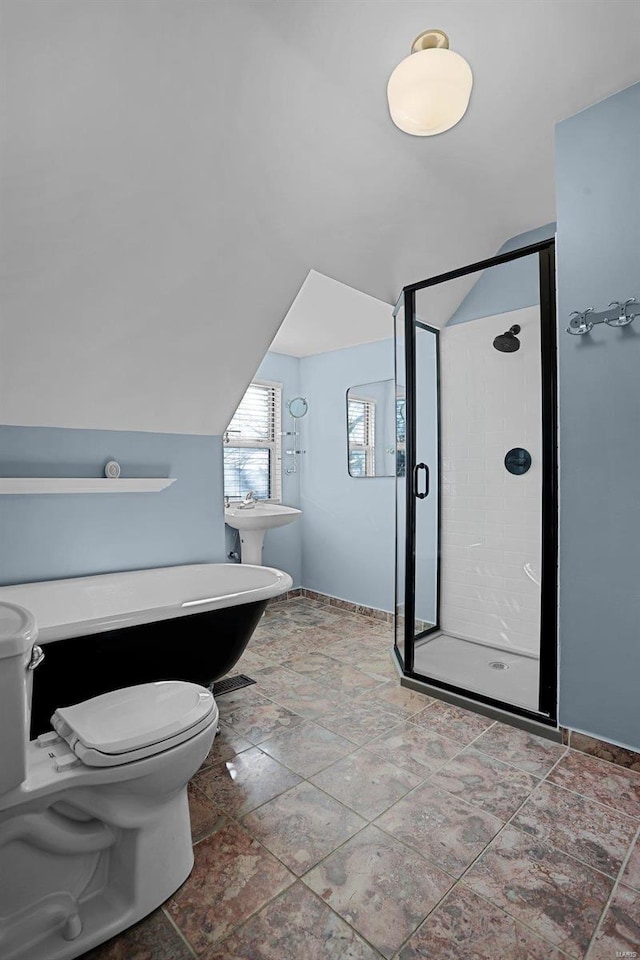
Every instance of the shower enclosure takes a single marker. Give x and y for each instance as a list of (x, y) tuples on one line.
[(476, 500)]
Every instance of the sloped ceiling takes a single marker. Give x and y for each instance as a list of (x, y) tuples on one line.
[(328, 315), (173, 169)]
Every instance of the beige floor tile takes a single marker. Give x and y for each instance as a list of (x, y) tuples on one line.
[(581, 827), (558, 897), (303, 826), (465, 926), (619, 933), (359, 720), (605, 782), (226, 744), (295, 926), (448, 831), (631, 875), (154, 938), (245, 782), (307, 748), (233, 877), (402, 701), (521, 749), (487, 783), (258, 723), (365, 783), (414, 749), (380, 887), (206, 817), (451, 721)]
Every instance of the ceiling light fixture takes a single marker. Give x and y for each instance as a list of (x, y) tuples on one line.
[(429, 91)]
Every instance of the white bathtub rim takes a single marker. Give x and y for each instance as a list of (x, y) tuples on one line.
[(198, 601)]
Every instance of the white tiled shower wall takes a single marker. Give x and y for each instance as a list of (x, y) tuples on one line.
[(491, 520)]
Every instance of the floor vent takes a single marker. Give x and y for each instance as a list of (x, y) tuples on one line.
[(229, 684), (499, 665)]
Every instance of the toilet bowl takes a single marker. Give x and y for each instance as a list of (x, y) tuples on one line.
[(94, 820)]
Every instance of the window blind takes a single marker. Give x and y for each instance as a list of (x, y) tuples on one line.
[(252, 444), (255, 417)]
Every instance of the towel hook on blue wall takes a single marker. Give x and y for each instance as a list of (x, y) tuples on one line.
[(617, 314)]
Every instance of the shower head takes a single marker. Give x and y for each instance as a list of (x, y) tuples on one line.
[(508, 342)]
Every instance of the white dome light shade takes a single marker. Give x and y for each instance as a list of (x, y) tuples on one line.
[(429, 91)]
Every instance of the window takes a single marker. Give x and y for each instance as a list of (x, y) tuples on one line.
[(252, 444), (361, 428)]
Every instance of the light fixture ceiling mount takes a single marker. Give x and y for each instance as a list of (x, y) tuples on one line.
[(429, 91), (430, 40)]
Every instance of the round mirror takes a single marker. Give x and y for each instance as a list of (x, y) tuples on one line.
[(298, 407)]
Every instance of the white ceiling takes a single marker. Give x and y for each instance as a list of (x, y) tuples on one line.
[(173, 170), (328, 315)]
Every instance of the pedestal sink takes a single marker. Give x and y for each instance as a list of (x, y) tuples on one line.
[(253, 523)]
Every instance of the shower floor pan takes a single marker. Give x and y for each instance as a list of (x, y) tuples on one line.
[(480, 668)]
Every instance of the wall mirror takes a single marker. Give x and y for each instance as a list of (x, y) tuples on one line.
[(298, 407), (375, 429)]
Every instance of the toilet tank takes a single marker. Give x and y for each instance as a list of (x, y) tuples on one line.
[(18, 634)]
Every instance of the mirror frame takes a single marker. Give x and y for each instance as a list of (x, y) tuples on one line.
[(371, 476), (302, 401)]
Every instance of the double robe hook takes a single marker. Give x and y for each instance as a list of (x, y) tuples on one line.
[(618, 314)]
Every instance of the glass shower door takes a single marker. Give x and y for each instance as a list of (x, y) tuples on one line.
[(418, 481), (477, 545), (426, 482)]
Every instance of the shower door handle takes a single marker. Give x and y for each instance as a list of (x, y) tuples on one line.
[(416, 481)]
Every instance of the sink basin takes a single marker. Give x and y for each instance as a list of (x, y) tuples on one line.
[(261, 517), (253, 522)]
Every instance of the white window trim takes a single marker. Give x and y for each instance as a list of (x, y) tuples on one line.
[(275, 444), (369, 446)]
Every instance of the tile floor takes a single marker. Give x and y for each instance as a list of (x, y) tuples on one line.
[(341, 817)]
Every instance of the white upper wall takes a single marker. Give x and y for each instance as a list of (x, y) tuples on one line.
[(328, 315), (171, 172)]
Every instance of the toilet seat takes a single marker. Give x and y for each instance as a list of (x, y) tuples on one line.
[(135, 722)]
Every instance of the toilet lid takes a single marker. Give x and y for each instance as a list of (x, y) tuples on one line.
[(134, 717)]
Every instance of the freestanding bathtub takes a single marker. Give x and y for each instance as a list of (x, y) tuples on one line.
[(113, 630)]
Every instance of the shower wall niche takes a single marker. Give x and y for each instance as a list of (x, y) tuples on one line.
[(476, 505)]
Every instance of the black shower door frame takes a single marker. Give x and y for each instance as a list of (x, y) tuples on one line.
[(547, 703)]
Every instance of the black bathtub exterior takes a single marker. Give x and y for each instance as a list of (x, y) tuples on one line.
[(201, 647)]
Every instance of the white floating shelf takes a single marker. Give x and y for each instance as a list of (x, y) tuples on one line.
[(84, 484)]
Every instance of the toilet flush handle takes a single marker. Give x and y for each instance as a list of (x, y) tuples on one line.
[(37, 656)]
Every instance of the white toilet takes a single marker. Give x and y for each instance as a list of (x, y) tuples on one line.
[(94, 822)]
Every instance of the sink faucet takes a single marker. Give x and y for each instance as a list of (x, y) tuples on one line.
[(249, 501)]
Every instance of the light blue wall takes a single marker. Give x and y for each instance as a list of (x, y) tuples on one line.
[(348, 535), (344, 543), (52, 536), (510, 286), (598, 207)]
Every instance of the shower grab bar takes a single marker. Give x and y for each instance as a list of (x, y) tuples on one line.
[(416, 481)]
